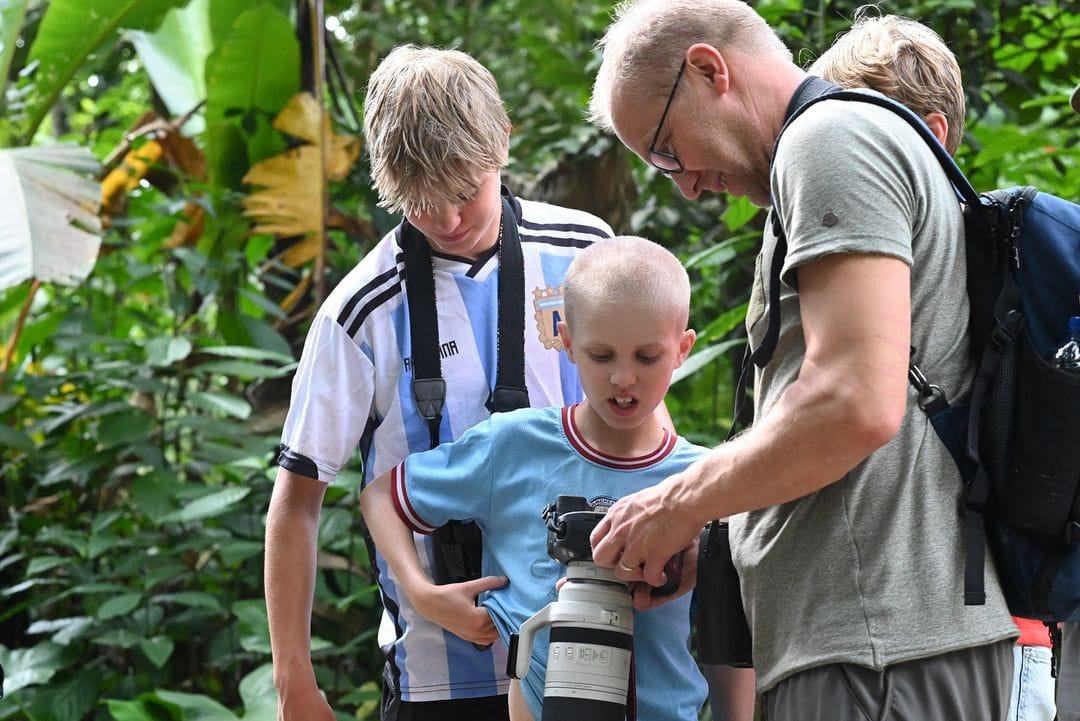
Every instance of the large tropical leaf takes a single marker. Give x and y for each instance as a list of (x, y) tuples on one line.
[(12, 13), (49, 229), (71, 31), (174, 57), (249, 79)]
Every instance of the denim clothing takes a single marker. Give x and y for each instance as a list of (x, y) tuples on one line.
[(1033, 686)]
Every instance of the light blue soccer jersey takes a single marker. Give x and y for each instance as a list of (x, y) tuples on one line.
[(353, 390), (502, 474)]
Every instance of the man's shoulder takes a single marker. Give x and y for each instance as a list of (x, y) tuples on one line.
[(843, 125)]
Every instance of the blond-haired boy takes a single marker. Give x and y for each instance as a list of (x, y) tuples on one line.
[(437, 134), (904, 60), (909, 62), (627, 303)]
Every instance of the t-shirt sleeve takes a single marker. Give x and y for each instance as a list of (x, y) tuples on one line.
[(843, 182), (332, 395), (453, 481)]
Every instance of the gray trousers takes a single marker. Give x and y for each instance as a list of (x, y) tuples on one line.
[(969, 685), (1068, 682)]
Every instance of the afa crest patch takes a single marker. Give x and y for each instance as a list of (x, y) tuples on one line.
[(548, 304)]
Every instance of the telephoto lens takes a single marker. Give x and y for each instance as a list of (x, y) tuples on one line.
[(723, 636), (592, 627)]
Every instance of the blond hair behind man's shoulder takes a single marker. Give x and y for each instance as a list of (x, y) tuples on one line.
[(435, 125), (902, 59)]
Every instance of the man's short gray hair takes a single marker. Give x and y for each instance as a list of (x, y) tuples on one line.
[(648, 39)]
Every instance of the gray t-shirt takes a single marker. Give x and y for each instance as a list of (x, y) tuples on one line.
[(868, 570)]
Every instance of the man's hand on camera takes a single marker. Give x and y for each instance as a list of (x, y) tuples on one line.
[(453, 607), (646, 596), (642, 532)]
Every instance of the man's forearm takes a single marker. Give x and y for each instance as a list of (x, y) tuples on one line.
[(848, 400)]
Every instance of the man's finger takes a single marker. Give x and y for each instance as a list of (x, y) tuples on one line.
[(653, 573), (599, 531)]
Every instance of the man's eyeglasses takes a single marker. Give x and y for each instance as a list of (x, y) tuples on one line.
[(663, 159)]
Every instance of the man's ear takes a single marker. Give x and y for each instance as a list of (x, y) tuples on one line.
[(686, 343), (939, 126), (704, 59), (567, 341)]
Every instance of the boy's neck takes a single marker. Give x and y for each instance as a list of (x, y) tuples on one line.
[(640, 440)]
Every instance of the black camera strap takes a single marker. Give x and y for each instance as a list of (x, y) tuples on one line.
[(428, 385)]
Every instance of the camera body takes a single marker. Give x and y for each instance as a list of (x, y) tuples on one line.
[(592, 626)]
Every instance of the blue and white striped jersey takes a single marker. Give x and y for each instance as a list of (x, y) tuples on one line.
[(352, 390), (501, 474)]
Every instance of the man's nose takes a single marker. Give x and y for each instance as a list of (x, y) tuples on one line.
[(687, 182)]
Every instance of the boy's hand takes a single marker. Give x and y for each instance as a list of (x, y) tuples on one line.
[(302, 701), (453, 606)]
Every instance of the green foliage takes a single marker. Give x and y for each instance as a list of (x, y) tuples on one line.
[(12, 13), (135, 559), (249, 80), (70, 32), (139, 420)]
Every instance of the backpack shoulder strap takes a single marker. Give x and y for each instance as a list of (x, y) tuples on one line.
[(811, 89)]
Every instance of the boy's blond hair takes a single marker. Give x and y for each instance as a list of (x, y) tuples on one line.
[(631, 271), (648, 39), (435, 126), (901, 59)]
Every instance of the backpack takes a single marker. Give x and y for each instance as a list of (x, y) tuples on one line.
[(1016, 436)]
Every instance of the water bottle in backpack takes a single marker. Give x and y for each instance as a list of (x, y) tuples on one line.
[(1067, 357)]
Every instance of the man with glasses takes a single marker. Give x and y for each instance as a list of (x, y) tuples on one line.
[(843, 503)]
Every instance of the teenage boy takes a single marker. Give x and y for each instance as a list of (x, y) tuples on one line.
[(437, 134), (910, 63), (627, 304)]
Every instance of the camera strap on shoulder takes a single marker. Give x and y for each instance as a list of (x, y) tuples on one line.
[(428, 385)]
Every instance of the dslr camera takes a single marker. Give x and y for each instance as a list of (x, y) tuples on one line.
[(592, 625)]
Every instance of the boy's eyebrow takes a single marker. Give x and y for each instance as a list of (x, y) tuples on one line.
[(651, 345)]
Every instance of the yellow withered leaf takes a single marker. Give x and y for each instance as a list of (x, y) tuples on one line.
[(302, 118), (126, 176), (342, 154), (301, 252), (293, 298), (289, 201)]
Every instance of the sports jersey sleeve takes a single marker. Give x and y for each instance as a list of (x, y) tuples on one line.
[(453, 481), (332, 395), (838, 202)]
